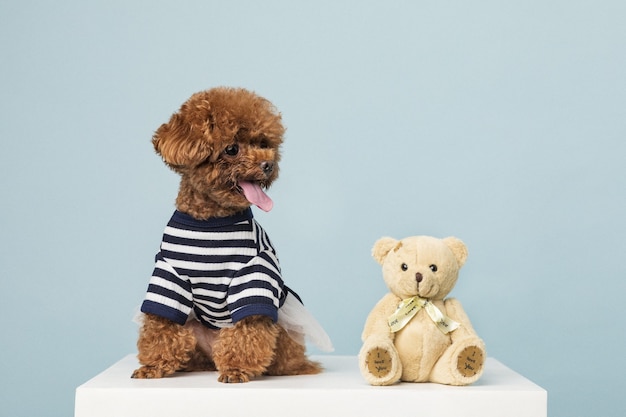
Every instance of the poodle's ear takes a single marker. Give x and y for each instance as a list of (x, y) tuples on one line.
[(179, 144), (383, 246), (458, 248)]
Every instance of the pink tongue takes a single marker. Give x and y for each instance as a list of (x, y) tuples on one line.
[(256, 195)]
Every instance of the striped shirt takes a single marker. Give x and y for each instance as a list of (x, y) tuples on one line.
[(222, 269)]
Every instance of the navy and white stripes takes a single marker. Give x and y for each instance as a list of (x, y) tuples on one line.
[(223, 269)]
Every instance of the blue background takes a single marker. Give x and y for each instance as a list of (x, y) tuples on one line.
[(500, 122)]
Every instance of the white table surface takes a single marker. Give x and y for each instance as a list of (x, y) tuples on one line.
[(340, 389)]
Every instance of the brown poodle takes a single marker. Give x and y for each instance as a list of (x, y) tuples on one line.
[(216, 297)]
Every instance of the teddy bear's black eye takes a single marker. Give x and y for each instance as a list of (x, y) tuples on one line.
[(404, 267), (232, 150), (433, 268)]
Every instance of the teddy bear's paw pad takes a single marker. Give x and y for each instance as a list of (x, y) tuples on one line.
[(470, 361), (378, 362), (233, 376)]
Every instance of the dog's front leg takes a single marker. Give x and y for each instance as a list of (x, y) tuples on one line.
[(245, 350), (164, 347)]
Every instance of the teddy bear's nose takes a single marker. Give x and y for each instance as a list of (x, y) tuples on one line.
[(418, 277), (267, 167)]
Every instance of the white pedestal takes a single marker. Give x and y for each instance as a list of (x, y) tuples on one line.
[(339, 391)]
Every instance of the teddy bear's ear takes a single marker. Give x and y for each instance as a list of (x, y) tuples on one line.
[(382, 247), (458, 248), (179, 144)]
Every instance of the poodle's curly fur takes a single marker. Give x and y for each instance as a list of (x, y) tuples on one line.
[(194, 144)]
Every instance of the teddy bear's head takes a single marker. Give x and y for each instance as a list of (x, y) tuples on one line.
[(420, 265)]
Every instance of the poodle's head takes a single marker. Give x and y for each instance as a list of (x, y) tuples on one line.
[(225, 144)]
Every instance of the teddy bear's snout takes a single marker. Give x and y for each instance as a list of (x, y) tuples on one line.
[(419, 277)]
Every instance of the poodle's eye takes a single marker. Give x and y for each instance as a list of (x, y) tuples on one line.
[(232, 150), (264, 144), (404, 267), (433, 268)]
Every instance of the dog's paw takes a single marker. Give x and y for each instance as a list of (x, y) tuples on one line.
[(231, 376), (148, 372)]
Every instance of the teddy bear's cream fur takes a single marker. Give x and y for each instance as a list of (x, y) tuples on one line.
[(428, 268)]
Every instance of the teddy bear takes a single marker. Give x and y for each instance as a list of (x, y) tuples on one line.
[(414, 333)]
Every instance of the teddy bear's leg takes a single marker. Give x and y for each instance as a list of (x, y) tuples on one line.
[(290, 358), (245, 350), (463, 361), (461, 364), (379, 361), (164, 347)]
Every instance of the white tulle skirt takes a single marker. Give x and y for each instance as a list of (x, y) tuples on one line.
[(301, 325)]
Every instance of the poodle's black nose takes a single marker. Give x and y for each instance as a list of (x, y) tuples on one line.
[(267, 167), (418, 277)]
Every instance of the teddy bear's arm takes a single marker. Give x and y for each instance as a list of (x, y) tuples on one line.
[(377, 321), (455, 311)]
